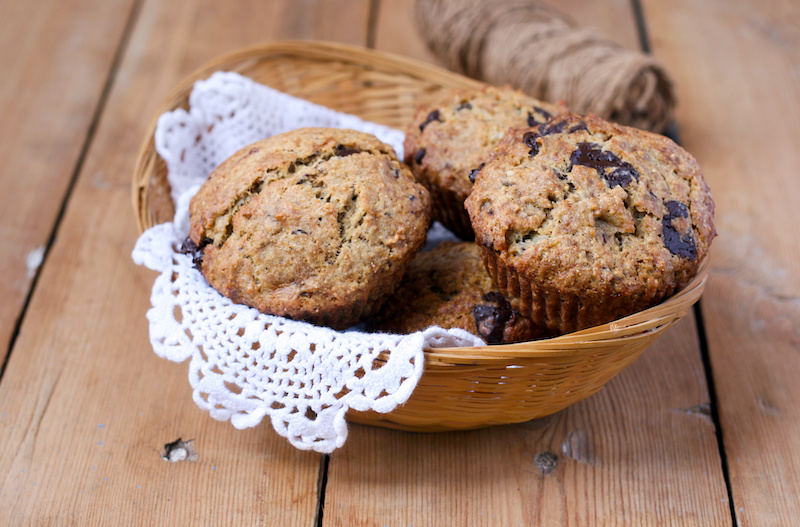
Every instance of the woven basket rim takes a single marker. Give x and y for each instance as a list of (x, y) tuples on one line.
[(635, 326), (320, 50), (648, 320)]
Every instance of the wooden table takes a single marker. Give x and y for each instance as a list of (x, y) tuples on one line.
[(704, 429)]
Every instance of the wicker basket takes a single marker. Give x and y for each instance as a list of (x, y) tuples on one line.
[(461, 388)]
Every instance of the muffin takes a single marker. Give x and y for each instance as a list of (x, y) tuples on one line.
[(581, 221), (315, 224), (450, 288), (450, 138)]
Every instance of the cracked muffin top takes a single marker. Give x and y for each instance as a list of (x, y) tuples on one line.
[(315, 224), (450, 137), (580, 206), (449, 287)]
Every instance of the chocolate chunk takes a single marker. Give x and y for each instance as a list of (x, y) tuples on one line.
[(433, 116), (593, 156), (541, 111), (683, 246), (494, 296), (188, 247), (419, 155), (195, 251), (491, 319), (557, 127), (534, 120), (343, 151), (464, 106), (676, 209), (578, 127), (622, 176), (529, 138), (474, 172), (552, 127)]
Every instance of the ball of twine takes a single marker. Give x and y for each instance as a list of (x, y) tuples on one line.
[(539, 50)]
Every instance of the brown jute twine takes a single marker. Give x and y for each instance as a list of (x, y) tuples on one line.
[(539, 50)]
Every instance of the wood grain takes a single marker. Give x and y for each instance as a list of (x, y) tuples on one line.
[(86, 408), (737, 67), (56, 58), (395, 31), (642, 451)]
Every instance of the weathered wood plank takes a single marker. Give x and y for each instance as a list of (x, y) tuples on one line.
[(738, 71), (643, 451), (55, 57), (85, 406), (395, 33)]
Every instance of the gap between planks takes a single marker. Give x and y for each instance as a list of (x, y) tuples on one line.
[(325, 459), (673, 133), (90, 133)]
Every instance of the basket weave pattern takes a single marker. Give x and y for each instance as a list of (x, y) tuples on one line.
[(461, 388)]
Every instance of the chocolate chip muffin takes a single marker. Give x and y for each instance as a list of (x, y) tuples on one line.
[(581, 221), (449, 139), (316, 224), (450, 288)]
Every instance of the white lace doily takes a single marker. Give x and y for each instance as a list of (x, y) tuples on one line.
[(246, 365)]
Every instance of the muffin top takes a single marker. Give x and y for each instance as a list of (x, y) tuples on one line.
[(586, 207), (449, 287), (449, 138), (315, 224)]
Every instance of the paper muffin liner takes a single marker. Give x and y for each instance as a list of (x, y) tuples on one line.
[(564, 312)]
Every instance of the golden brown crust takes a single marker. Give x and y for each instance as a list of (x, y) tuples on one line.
[(450, 288), (316, 224), (451, 137), (583, 221)]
